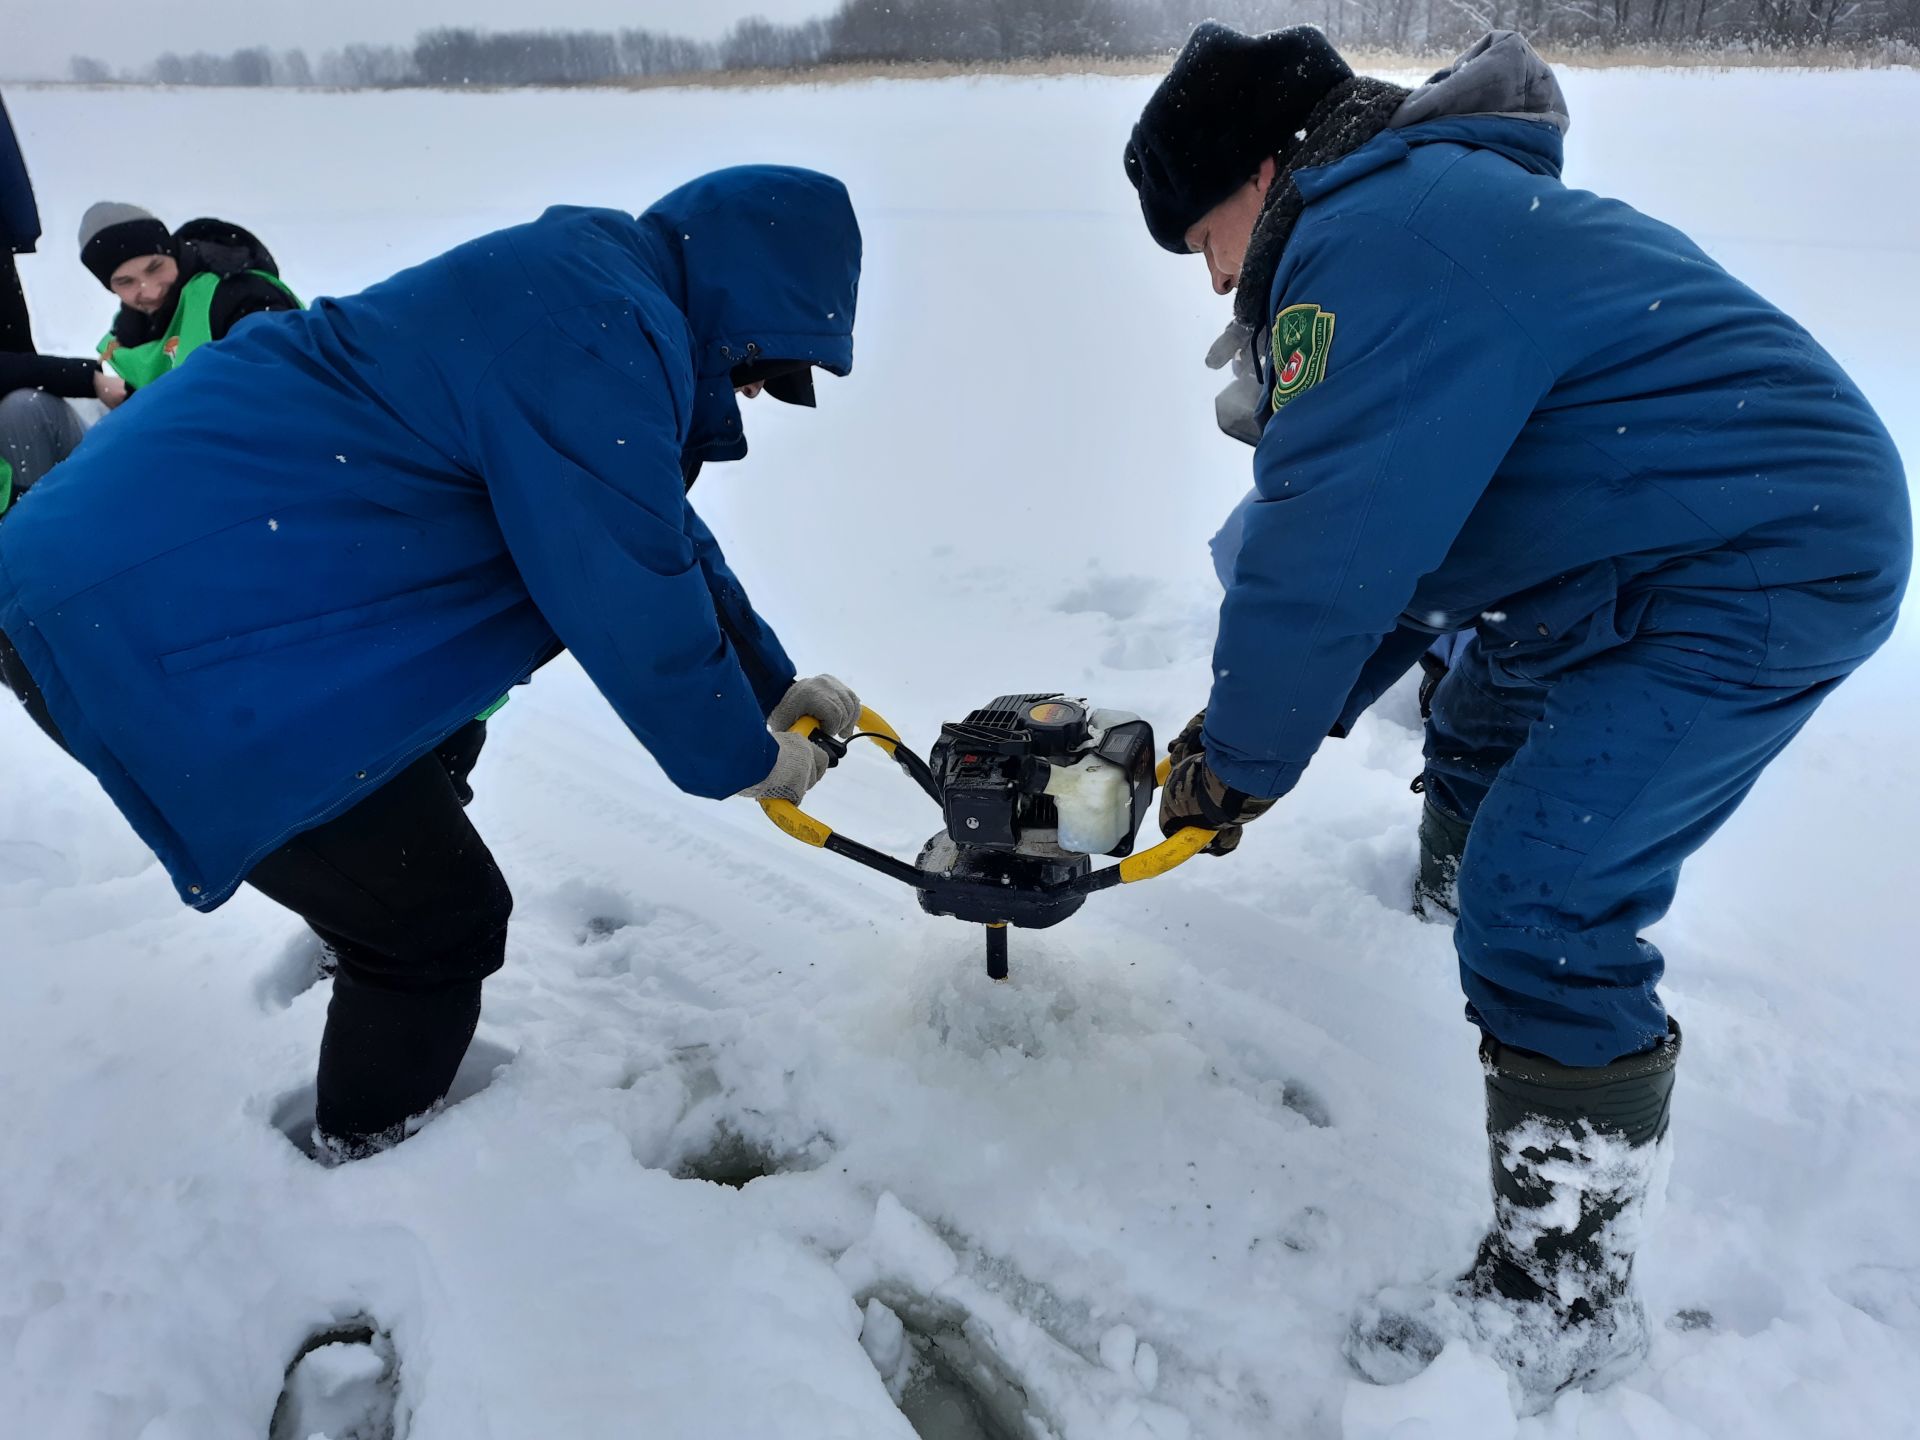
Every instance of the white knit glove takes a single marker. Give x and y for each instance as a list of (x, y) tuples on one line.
[(797, 770), (826, 699)]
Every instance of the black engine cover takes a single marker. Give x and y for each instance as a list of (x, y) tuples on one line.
[(995, 887)]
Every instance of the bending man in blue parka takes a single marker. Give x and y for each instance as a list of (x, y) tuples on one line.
[(1483, 399), (263, 606)]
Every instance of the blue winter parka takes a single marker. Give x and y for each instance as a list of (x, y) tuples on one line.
[(1497, 402), (262, 588)]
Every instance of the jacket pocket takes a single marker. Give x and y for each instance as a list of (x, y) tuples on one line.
[(417, 610)]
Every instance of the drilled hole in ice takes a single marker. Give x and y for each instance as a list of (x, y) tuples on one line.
[(940, 1404), (943, 1385), (735, 1159)]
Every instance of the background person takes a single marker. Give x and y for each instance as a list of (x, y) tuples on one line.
[(178, 290)]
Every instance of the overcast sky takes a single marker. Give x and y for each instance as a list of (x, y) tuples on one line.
[(37, 37)]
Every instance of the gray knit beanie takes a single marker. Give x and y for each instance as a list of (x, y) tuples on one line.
[(112, 233)]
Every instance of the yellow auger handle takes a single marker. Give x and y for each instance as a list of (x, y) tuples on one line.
[(789, 816), (1158, 860), (1176, 849)]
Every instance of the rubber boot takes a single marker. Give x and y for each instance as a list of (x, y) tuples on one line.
[(1443, 840), (1575, 1155)]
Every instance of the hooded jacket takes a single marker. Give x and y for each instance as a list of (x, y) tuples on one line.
[(264, 587), (1494, 401)]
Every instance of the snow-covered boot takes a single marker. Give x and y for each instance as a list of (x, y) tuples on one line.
[(1436, 888), (1575, 1153)]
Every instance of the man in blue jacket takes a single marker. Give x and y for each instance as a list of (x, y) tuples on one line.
[(268, 596), (1484, 399)]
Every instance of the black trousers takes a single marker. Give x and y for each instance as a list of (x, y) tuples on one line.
[(407, 895)]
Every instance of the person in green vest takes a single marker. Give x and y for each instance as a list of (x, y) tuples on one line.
[(177, 289)]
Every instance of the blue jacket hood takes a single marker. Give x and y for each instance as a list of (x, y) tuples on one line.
[(1500, 95), (1530, 144), (766, 261), (1500, 76)]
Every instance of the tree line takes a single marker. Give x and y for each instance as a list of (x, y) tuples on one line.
[(991, 31)]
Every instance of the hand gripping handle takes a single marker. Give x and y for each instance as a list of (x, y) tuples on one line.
[(1176, 849), (789, 816)]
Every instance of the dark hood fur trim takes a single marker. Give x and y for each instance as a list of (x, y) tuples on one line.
[(1353, 112)]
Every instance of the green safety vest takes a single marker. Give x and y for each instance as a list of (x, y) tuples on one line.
[(192, 327)]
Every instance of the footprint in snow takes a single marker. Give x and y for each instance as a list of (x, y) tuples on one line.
[(1146, 630), (1887, 1293), (1306, 1231), (956, 1354), (1118, 597), (344, 1384)]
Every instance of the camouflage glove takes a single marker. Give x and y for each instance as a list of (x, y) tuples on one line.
[(1194, 795), (1187, 742)]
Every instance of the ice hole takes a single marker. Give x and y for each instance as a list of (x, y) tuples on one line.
[(940, 1404), (943, 1386), (732, 1158)]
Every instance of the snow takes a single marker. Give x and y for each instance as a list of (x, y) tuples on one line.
[(1211, 1113)]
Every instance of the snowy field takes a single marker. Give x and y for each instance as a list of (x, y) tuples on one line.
[(1140, 1186)]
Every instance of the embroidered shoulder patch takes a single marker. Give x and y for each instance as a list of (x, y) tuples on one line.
[(1302, 335)]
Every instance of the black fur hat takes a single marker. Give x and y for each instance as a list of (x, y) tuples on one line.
[(1229, 101)]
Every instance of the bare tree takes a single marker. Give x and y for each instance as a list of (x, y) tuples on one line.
[(998, 30), (368, 65), (88, 71), (249, 67), (756, 43)]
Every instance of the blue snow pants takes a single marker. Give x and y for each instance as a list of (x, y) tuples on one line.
[(1585, 795)]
